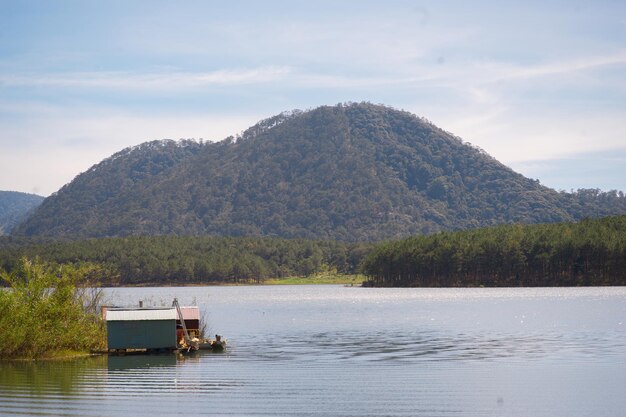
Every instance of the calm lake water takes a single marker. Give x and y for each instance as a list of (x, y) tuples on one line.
[(335, 351)]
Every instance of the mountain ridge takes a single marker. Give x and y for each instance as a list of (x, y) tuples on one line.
[(15, 207), (348, 172)]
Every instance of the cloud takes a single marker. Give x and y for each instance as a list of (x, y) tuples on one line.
[(534, 112), (511, 134), (502, 72), (604, 170), (147, 81), (44, 156)]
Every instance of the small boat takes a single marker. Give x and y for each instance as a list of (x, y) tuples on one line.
[(216, 345), (188, 344)]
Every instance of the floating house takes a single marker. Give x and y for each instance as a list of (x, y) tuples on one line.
[(141, 328)]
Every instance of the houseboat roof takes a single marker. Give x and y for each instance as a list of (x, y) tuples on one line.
[(189, 313), (133, 314)]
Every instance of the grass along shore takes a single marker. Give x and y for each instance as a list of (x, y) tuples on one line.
[(323, 278)]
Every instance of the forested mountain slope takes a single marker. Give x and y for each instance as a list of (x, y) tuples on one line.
[(14, 207), (96, 202), (350, 172)]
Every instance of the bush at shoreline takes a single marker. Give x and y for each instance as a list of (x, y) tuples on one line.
[(45, 311)]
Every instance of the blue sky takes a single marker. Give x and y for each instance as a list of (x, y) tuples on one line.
[(541, 86)]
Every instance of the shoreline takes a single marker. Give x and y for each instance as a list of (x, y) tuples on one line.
[(322, 279)]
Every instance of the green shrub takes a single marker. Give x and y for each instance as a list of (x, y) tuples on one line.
[(45, 311)]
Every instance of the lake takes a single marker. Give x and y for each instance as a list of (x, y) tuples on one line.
[(341, 351)]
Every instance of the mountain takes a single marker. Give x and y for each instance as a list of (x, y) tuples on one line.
[(14, 208), (96, 202), (347, 172)]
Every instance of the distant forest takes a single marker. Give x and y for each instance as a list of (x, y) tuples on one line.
[(588, 253), (159, 260), (591, 252)]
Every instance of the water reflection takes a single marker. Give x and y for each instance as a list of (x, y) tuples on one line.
[(43, 387), (121, 384), (162, 374), (138, 362), (47, 377)]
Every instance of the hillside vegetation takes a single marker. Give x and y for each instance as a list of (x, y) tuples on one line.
[(591, 252), (355, 172), (14, 208), (171, 260)]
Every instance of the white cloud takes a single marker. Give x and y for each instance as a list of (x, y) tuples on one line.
[(41, 158), (604, 170), (147, 81), (534, 112), (502, 72), (512, 136)]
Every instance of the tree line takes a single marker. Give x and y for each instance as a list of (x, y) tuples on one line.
[(188, 260), (588, 253), (591, 252)]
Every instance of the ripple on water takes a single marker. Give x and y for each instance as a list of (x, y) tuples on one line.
[(426, 346)]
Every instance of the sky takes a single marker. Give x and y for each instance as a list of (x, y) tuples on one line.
[(539, 85)]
